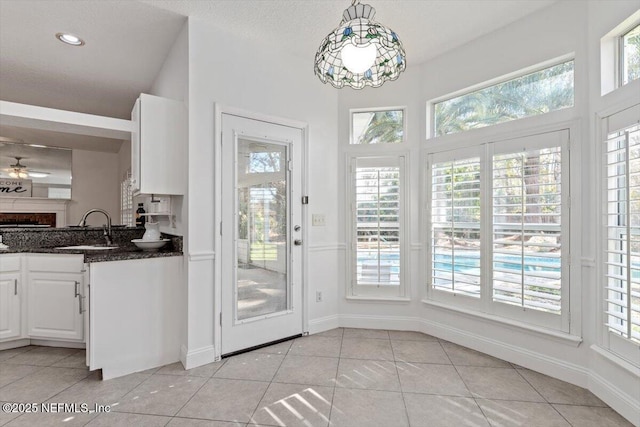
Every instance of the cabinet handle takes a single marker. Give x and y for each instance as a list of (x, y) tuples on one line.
[(76, 289), (15, 286), (79, 305)]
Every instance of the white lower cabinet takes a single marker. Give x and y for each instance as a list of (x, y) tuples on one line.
[(55, 306), (10, 297), (136, 315), (55, 286)]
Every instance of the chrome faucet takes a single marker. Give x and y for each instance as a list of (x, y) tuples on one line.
[(106, 231)]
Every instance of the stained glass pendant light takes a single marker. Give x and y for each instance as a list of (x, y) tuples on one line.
[(360, 51)]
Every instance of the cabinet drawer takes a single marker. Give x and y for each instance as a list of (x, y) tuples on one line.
[(9, 262), (55, 263)]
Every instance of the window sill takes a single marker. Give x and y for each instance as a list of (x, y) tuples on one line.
[(378, 299), (617, 360), (547, 333)]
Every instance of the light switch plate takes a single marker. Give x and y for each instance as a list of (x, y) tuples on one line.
[(318, 220)]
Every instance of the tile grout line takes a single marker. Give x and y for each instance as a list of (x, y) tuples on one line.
[(475, 400), (50, 397), (18, 379), (196, 392), (270, 382), (395, 365), (545, 399), (533, 387), (333, 394)]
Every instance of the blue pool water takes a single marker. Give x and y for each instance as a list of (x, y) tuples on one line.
[(467, 261)]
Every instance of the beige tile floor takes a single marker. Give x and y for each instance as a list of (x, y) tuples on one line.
[(343, 377)]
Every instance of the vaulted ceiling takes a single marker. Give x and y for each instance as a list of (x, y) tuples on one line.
[(127, 41)]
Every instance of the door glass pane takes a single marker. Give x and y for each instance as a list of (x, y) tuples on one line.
[(262, 251)]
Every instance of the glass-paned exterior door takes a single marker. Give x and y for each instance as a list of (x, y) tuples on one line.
[(262, 256), (261, 233)]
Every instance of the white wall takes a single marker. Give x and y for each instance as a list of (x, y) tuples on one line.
[(222, 69), (552, 32), (172, 82), (124, 159), (238, 74), (95, 184), (605, 368)]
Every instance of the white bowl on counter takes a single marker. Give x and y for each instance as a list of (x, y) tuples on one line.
[(150, 245)]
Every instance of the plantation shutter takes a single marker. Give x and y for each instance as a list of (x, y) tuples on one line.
[(455, 226), (622, 224), (126, 201), (527, 223), (378, 209)]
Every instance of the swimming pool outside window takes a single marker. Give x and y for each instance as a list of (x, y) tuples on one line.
[(497, 228), (377, 210), (527, 229), (455, 219)]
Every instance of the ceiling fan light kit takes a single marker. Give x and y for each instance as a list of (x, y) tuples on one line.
[(20, 171), (360, 51)]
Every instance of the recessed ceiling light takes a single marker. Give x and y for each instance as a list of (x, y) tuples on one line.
[(70, 39)]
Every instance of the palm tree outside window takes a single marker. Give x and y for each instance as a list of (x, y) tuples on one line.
[(377, 127)]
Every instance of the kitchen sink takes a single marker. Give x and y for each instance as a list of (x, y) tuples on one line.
[(88, 247)]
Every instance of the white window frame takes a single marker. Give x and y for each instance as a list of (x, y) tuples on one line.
[(373, 292), (611, 56), (353, 145), (608, 121), (461, 147), (431, 104), (462, 299), (620, 55)]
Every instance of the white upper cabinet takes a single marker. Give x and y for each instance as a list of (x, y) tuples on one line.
[(158, 146)]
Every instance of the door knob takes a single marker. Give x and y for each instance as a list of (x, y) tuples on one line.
[(297, 242)]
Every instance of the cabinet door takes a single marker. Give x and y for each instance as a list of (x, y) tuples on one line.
[(162, 145), (55, 307), (10, 293), (135, 147)]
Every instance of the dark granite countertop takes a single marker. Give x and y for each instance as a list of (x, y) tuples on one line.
[(48, 240), (100, 255)]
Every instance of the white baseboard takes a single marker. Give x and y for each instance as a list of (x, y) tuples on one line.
[(198, 357), (322, 324), (395, 323), (54, 343), (556, 368), (619, 402), (45, 343), (14, 344), (561, 369)]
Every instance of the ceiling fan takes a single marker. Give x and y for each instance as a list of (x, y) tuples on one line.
[(18, 170)]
